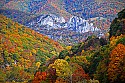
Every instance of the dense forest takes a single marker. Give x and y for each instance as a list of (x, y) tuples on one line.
[(29, 57), (22, 51)]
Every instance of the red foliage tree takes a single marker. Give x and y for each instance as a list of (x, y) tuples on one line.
[(39, 76), (79, 75)]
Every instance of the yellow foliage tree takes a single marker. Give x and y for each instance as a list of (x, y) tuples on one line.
[(79, 60), (114, 39), (34, 51), (38, 64), (82, 52), (62, 67), (30, 54), (54, 53), (68, 48)]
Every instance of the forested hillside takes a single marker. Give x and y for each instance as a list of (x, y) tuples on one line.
[(22, 51), (97, 60), (65, 21), (27, 56)]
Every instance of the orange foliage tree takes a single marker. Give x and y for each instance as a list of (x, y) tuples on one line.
[(60, 80), (79, 74), (39, 77), (116, 68)]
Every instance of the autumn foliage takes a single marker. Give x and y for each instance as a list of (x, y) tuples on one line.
[(116, 67), (23, 48), (79, 75), (51, 75), (24, 52), (39, 77)]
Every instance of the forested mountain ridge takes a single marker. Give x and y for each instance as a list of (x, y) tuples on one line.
[(96, 60), (22, 51), (98, 15), (28, 56), (118, 25)]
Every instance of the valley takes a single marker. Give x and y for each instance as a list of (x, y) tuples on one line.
[(62, 41)]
